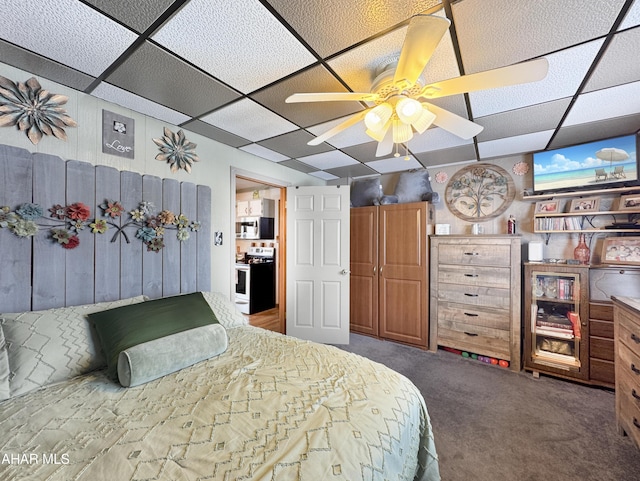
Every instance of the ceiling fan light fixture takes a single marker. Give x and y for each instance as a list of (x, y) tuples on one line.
[(409, 110), (424, 121), (401, 132), (377, 117)]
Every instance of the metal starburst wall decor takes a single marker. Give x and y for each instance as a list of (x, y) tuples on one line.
[(33, 110), (176, 150)]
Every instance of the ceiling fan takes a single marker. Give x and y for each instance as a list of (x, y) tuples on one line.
[(401, 97)]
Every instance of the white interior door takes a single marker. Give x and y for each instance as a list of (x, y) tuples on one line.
[(318, 263)]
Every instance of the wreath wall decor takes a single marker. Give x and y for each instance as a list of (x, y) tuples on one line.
[(33, 110), (479, 192), (66, 222)]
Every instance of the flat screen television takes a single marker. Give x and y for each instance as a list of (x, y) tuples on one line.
[(591, 166)]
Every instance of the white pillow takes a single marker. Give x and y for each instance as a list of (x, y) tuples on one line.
[(54, 345)]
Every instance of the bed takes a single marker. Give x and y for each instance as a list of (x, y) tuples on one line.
[(262, 406)]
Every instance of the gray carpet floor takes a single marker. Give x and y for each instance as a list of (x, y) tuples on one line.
[(491, 424)]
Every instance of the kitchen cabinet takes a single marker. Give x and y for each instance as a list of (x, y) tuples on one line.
[(255, 208), (390, 271)]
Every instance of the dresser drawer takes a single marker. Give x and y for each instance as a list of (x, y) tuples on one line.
[(474, 319), (478, 344), (628, 394), (475, 276), (628, 333), (475, 295), (477, 255)]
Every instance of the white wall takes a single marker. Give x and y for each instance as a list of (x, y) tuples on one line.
[(84, 143)]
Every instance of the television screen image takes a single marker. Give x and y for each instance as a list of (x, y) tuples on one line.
[(594, 165)]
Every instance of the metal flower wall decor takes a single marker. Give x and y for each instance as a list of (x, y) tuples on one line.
[(176, 150), (480, 191), (66, 222), (33, 110)]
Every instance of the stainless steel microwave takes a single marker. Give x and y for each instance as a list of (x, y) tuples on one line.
[(255, 228)]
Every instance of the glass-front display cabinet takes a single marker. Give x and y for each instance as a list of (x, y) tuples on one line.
[(557, 320)]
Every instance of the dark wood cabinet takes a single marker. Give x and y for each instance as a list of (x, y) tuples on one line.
[(390, 271)]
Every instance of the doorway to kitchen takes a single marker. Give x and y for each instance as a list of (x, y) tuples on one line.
[(260, 250)]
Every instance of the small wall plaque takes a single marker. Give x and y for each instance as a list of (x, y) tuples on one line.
[(118, 135)]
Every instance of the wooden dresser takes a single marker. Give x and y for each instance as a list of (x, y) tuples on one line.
[(626, 318), (475, 295)]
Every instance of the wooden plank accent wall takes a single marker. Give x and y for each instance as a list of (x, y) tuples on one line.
[(37, 273)]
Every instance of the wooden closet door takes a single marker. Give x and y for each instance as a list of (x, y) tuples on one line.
[(403, 270), (364, 270)]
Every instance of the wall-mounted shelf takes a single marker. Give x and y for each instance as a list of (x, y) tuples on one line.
[(564, 222), (582, 193)]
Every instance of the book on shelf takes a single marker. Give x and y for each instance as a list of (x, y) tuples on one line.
[(574, 317), (558, 358), (555, 332)]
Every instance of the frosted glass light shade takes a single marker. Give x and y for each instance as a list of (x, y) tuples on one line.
[(408, 110), (378, 116), (401, 132), (424, 121)]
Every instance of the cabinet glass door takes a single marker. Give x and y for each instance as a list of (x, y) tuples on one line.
[(555, 307)]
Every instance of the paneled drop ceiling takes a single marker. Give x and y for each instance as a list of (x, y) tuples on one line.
[(223, 69)]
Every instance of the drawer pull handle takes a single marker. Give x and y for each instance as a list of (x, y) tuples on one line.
[(635, 338), (634, 393), (635, 369), (470, 295), (470, 314), (471, 254), (471, 275), (636, 423), (472, 334)]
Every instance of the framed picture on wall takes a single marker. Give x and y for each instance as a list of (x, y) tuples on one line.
[(118, 135), (547, 207), (585, 204), (621, 250)]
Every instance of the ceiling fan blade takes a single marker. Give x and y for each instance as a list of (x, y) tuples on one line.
[(385, 146), (354, 119), (423, 36), (331, 96), (453, 123), (500, 77)]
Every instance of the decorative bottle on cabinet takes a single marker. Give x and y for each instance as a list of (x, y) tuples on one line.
[(582, 252)]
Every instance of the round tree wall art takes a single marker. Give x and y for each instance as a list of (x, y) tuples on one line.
[(176, 150)]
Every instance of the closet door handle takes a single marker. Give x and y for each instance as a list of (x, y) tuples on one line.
[(374, 270)]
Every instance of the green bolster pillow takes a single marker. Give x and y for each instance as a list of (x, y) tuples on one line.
[(159, 357)]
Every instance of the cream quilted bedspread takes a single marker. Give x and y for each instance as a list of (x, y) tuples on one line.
[(269, 408)]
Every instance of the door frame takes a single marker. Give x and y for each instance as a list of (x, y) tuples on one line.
[(282, 234)]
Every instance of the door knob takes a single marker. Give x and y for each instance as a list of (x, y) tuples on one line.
[(344, 272)]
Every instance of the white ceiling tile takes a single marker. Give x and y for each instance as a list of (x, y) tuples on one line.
[(354, 135), (57, 29), (238, 42), (249, 120), (323, 175), (615, 66), (508, 32), (263, 152), (633, 16), (436, 138), (515, 145), (121, 97), (328, 160), (394, 164), (566, 72), (605, 104)]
